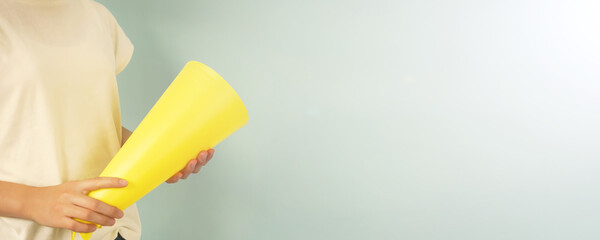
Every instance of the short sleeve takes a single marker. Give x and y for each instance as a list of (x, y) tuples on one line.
[(123, 49)]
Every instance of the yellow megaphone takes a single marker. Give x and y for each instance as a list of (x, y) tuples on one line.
[(197, 111)]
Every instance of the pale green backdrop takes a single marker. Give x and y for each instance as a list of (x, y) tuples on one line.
[(375, 119)]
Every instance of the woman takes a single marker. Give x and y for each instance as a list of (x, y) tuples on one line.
[(60, 120)]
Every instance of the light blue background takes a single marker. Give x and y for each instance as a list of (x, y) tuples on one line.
[(374, 119)]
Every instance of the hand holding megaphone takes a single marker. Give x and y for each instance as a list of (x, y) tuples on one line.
[(193, 166), (197, 111)]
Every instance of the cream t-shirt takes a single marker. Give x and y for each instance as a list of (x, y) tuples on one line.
[(59, 108)]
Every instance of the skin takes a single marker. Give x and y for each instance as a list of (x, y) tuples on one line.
[(193, 166), (57, 206)]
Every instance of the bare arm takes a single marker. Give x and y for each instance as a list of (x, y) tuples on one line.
[(12, 197), (125, 135), (58, 205)]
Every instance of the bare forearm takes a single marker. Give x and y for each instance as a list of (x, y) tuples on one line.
[(125, 135), (58, 205), (13, 197)]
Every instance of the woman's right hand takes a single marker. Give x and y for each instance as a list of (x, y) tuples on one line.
[(56, 206)]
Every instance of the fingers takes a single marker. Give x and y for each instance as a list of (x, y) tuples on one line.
[(101, 182), (189, 168), (211, 153), (98, 206), (193, 166), (76, 226), (175, 178), (88, 215), (202, 160)]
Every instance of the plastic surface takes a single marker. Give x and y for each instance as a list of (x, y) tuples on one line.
[(197, 111)]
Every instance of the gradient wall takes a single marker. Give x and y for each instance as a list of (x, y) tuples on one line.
[(374, 119)]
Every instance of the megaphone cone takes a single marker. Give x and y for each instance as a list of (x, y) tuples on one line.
[(197, 111)]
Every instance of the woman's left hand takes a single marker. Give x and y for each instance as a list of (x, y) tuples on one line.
[(193, 166)]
